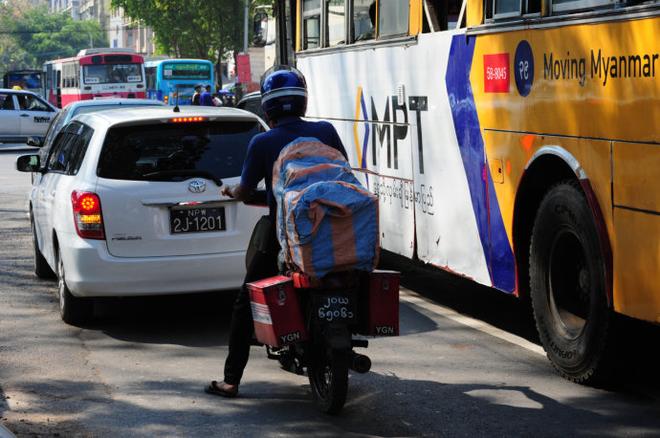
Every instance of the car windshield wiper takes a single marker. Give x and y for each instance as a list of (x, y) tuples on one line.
[(168, 174)]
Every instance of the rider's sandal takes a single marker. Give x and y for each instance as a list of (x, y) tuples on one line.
[(218, 389)]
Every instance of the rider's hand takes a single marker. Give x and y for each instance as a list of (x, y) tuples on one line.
[(228, 191)]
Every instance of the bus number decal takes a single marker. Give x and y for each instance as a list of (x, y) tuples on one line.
[(496, 73), (523, 65)]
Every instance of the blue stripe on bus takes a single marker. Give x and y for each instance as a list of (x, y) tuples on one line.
[(494, 241), (365, 142)]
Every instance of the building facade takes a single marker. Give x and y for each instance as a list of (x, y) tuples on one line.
[(72, 7), (121, 31)]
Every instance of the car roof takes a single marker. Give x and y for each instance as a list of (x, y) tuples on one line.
[(9, 90), (130, 116), (249, 96), (114, 101)]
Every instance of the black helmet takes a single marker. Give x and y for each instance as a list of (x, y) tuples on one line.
[(283, 92)]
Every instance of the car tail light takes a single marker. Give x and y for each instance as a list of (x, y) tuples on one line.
[(87, 215)]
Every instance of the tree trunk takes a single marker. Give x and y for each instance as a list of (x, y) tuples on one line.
[(218, 66)]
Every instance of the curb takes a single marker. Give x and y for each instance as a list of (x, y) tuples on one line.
[(6, 433)]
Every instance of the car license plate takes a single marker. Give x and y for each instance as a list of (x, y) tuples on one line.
[(334, 308), (197, 220)]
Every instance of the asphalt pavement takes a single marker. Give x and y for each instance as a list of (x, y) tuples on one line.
[(467, 364)]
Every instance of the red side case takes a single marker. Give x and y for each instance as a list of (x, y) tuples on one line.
[(276, 312), (383, 303)]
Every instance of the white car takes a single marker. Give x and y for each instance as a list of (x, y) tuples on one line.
[(128, 203), (23, 114)]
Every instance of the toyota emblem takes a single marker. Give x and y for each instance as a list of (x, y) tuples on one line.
[(197, 186)]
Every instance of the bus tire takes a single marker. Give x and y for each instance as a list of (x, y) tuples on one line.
[(568, 285)]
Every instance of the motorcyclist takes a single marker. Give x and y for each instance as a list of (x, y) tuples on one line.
[(284, 102)]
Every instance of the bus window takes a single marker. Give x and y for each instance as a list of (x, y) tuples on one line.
[(311, 24), (336, 22), (364, 19), (514, 8), (442, 14), (576, 5), (532, 6), (392, 18), (507, 8), (432, 21), (112, 73), (49, 76)]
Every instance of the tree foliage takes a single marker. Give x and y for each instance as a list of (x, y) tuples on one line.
[(30, 36), (206, 29)]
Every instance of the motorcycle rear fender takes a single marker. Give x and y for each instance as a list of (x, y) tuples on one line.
[(337, 336)]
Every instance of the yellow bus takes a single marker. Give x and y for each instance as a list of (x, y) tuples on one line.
[(514, 142)]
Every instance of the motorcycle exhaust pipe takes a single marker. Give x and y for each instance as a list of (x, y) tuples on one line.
[(360, 363)]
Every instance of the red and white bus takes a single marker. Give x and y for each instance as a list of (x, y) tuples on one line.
[(94, 74)]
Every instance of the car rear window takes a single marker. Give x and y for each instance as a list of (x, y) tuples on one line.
[(176, 151)]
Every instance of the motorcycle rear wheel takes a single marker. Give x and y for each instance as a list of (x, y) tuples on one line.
[(328, 377)]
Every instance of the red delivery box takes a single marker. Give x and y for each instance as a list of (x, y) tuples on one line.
[(381, 304), (276, 312)]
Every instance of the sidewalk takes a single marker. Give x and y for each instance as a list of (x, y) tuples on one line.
[(5, 433)]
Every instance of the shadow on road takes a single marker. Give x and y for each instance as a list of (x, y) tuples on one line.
[(195, 320), (636, 370), (378, 405)]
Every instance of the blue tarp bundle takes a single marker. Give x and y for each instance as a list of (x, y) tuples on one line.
[(326, 220)]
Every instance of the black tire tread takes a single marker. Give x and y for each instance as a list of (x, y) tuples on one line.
[(339, 365), (76, 310), (41, 267), (603, 353)]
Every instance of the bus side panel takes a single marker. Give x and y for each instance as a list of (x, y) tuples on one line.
[(592, 80), (378, 145), (468, 127), (637, 225), (636, 171), (70, 95), (551, 87), (366, 89), (447, 230), (636, 264), (512, 151)]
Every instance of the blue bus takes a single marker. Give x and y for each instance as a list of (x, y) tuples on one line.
[(173, 80), (29, 80)]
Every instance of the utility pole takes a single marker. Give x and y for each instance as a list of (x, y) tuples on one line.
[(245, 26)]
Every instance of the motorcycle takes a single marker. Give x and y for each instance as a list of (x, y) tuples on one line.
[(311, 326)]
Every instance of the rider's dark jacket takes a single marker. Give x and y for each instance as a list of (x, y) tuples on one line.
[(264, 149)]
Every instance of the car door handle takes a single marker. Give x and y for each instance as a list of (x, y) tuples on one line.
[(25, 115)]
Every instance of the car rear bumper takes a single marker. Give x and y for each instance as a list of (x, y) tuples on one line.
[(92, 272)]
